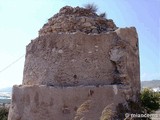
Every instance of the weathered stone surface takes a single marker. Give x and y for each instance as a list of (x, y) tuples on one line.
[(81, 59), (81, 67), (69, 60), (68, 103), (71, 20)]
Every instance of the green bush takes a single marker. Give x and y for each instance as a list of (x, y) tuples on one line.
[(3, 113), (150, 100)]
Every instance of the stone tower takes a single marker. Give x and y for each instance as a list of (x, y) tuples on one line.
[(81, 66)]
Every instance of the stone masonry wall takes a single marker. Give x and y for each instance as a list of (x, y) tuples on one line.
[(68, 103), (80, 67), (81, 59), (71, 20)]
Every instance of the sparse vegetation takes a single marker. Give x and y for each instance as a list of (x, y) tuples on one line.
[(3, 113), (83, 109), (107, 113), (150, 100), (103, 15), (92, 7)]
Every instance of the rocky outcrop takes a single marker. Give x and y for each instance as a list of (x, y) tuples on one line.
[(74, 74)]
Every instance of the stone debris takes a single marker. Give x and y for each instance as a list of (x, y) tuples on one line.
[(70, 19)]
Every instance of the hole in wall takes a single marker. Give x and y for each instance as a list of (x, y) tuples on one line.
[(75, 76)]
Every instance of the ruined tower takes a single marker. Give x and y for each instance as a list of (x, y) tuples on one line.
[(79, 67)]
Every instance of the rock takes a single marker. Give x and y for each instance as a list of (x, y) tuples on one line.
[(95, 31), (87, 24), (69, 18), (83, 19), (110, 24)]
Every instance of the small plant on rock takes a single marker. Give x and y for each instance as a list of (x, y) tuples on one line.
[(103, 15), (92, 7)]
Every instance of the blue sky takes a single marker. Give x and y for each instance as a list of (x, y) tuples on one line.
[(20, 21)]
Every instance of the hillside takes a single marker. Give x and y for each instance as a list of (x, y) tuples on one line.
[(150, 84), (5, 95), (7, 89)]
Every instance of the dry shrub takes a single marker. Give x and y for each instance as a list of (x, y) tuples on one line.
[(107, 112), (92, 7), (82, 109)]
